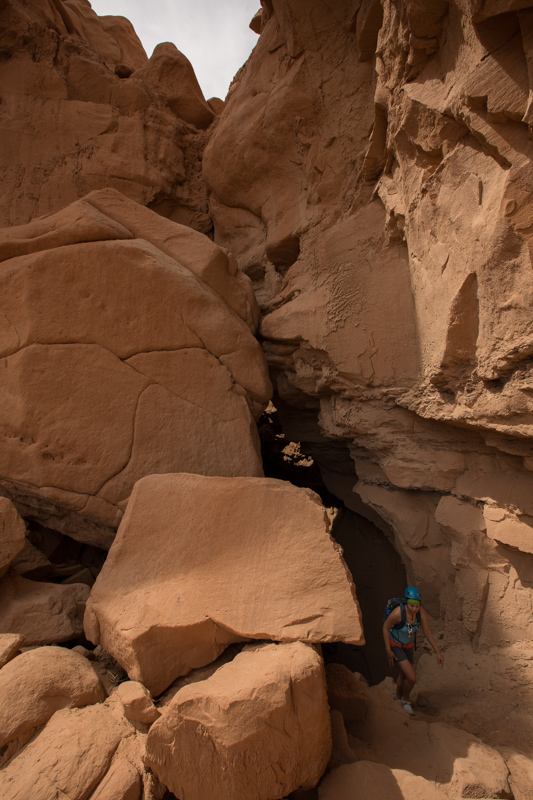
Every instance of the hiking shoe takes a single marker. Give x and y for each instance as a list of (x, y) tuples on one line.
[(406, 705)]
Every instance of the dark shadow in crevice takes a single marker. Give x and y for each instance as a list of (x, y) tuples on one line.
[(375, 565)]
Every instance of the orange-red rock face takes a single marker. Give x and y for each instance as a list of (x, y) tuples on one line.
[(83, 108), (259, 727), (372, 174), (127, 350), (200, 562)]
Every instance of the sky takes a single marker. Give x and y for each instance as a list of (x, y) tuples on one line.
[(213, 34)]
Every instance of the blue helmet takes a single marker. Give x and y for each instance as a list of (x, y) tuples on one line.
[(412, 593)]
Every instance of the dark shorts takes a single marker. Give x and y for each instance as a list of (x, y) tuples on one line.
[(402, 653)]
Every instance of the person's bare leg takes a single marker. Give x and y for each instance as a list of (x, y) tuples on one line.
[(399, 685), (408, 681), (408, 678)]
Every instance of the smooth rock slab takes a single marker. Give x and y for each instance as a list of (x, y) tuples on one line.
[(201, 562), (40, 682), (259, 727)]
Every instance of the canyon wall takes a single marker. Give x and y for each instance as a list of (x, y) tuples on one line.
[(372, 174)]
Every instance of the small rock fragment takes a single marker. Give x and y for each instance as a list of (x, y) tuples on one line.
[(137, 702), (10, 643)]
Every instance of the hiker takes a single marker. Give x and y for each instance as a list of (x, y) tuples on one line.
[(399, 633)]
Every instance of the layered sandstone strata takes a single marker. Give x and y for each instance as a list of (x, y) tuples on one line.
[(372, 173)]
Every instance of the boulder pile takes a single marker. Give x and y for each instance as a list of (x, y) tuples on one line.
[(198, 563)]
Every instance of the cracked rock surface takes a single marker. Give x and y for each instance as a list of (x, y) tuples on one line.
[(201, 562), (127, 349)]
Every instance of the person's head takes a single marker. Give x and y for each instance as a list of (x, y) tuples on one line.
[(412, 597)]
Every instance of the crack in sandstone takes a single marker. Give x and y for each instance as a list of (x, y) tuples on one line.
[(134, 425)]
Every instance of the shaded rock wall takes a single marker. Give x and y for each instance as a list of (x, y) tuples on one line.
[(372, 173)]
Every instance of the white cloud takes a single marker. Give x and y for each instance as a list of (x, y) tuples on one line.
[(213, 34)]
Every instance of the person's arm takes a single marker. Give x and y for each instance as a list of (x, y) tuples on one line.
[(430, 637), (393, 618)]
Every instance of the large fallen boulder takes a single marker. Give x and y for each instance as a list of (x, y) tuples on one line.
[(40, 682), (127, 352), (201, 562), (44, 613), (259, 727), (12, 534)]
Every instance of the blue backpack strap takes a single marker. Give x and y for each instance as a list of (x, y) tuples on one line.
[(403, 619), (399, 624)]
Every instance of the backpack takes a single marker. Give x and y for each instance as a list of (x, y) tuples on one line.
[(393, 603)]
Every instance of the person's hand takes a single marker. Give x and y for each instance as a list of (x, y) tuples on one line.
[(440, 658), (390, 658)]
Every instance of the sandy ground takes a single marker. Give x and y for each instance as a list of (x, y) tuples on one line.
[(489, 694)]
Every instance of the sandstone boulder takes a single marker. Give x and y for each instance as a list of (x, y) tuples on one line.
[(40, 682), (201, 562), (259, 727), (341, 752), (44, 613), (347, 693), (122, 782), (101, 386), (69, 757)]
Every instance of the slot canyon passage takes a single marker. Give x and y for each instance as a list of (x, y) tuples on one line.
[(266, 361)]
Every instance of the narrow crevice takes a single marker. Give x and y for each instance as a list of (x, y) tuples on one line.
[(375, 565)]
